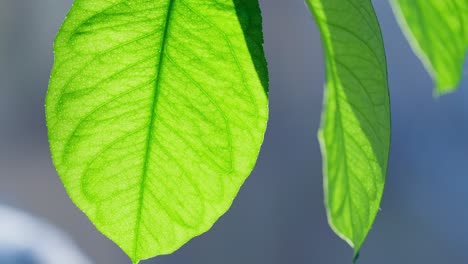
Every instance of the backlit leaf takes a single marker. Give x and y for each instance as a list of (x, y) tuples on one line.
[(438, 33), (156, 112), (355, 132)]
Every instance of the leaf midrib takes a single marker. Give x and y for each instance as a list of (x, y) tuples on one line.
[(151, 126)]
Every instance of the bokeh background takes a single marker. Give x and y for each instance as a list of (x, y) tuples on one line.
[(278, 216)]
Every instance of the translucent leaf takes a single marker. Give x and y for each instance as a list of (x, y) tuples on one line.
[(438, 33), (355, 132), (156, 112)]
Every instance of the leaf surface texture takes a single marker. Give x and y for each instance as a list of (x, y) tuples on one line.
[(355, 131), (438, 33), (156, 112)]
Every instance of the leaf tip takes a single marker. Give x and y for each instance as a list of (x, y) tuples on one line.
[(441, 90), (356, 256)]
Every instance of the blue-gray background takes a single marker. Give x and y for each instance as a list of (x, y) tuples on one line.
[(278, 216)]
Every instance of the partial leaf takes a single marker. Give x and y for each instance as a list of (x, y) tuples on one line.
[(438, 33), (156, 111), (355, 132)]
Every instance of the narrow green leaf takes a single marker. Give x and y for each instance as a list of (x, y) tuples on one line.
[(355, 132), (438, 33), (156, 112)]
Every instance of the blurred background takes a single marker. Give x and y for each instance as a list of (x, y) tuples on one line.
[(278, 216)]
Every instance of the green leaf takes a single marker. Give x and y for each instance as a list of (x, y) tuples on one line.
[(156, 112), (355, 132), (438, 33)]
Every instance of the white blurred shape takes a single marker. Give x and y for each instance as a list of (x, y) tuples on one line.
[(21, 231)]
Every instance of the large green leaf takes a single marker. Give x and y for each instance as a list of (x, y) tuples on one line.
[(355, 132), (438, 33), (156, 112)]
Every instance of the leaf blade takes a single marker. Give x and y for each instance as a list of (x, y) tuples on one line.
[(438, 34), (156, 111), (355, 130)]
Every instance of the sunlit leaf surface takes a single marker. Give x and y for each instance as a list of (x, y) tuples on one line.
[(156, 111), (355, 132), (438, 33)]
